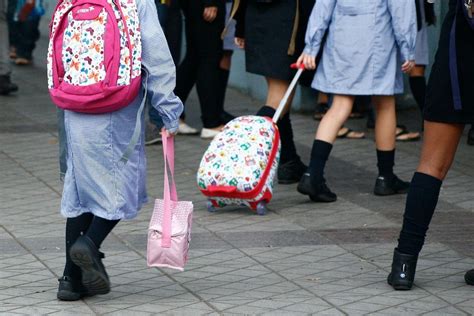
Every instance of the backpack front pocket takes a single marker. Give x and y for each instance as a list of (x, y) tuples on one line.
[(84, 57)]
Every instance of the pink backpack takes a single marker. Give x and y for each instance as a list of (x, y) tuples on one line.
[(94, 55)]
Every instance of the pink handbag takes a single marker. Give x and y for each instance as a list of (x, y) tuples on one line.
[(169, 232)]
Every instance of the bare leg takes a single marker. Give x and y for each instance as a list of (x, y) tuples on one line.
[(336, 116), (386, 122), (387, 182), (276, 91), (439, 148), (313, 182), (291, 168), (226, 60)]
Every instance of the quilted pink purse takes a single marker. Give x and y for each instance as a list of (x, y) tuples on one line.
[(169, 232)]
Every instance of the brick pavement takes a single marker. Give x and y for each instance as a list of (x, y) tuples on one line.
[(302, 258)]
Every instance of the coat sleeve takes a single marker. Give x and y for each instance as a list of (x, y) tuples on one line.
[(318, 24), (240, 18), (159, 66), (403, 13)]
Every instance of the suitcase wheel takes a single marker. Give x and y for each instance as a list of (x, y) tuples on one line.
[(262, 208), (210, 207)]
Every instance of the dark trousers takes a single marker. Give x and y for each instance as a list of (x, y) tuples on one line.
[(201, 64), (22, 35), (172, 23)]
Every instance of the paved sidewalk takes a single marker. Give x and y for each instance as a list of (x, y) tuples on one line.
[(302, 258)]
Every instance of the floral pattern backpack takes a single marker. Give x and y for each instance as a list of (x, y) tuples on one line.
[(94, 55)]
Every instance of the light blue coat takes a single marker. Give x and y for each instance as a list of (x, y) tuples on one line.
[(95, 181), (367, 41)]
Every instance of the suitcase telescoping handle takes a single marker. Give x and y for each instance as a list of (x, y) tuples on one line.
[(288, 92)]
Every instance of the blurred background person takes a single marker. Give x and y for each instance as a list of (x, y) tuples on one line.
[(361, 57), (23, 18), (448, 108), (226, 61), (204, 23), (171, 21)]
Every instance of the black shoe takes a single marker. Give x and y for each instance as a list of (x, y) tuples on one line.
[(317, 193), (470, 137), (403, 271), (85, 255), (6, 86), (291, 171), (390, 186), (70, 289), (469, 277)]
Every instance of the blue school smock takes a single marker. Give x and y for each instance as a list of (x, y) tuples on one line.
[(96, 182), (367, 41)]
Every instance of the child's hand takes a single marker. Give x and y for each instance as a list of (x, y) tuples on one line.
[(240, 42), (408, 66), (308, 61), (209, 14), (167, 133)]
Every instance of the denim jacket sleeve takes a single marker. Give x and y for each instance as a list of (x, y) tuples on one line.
[(160, 70), (318, 24), (403, 13)]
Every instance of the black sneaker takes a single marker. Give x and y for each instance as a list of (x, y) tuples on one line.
[(70, 289), (318, 193), (469, 277), (85, 255), (291, 171), (6, 86), (390, 186)]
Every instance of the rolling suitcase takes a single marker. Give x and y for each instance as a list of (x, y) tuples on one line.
[(240, 164)]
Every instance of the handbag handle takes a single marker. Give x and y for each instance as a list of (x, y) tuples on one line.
[(168, 195)]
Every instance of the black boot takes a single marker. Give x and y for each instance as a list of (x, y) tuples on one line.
[(403, 271), (84, 254), (317, 193), (390, 186), (291, 171), (6, 86), (469, 277), (70, 289)]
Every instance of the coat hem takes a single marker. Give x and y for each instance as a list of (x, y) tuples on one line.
[(116, 215), (331, 90)]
